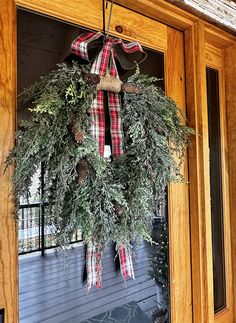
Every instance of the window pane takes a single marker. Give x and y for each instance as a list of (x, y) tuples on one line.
[(216, 189), (42, 43)]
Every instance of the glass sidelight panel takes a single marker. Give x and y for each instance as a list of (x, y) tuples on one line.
[(51, 295), (217, 214)]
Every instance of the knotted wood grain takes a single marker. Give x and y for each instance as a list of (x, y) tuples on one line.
[(8, 235)]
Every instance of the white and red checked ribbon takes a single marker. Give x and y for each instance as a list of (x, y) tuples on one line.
[(105, 51), (94, 265)]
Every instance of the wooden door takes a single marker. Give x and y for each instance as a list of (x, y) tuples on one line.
[(149, 33)]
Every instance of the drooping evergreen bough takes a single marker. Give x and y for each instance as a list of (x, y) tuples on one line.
[(155, 139)]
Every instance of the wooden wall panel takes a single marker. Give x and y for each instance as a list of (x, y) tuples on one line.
[(230, 78), (178, 199), (213, 56), (148, 32), (137, 27), (171, 15), (162, 11), (201, 242), (217, 36), (8, 235), (86, 13)]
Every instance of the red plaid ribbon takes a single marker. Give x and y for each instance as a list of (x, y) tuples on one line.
[(105, 51), (126, 262), (85, 46), (94, 265)]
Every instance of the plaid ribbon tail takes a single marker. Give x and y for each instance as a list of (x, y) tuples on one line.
[(116, 128), (94, 265), (105, 63), (126, 262)]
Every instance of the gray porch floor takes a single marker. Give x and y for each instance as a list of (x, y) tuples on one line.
[(48, 295)]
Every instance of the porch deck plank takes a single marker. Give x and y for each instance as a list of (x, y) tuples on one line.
[(48, 295)]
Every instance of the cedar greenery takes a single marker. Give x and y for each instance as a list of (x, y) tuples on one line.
[(154, 135), (159, 269)]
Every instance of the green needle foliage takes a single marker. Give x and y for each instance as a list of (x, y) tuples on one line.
[(155, 139), (160, 269)]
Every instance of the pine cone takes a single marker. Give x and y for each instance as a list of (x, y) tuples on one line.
[(159, 130), (79, 137), (89, 111), (130, 88), (92, 79), (117, 208), (82, 171)]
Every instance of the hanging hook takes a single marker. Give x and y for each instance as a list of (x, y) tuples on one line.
[(109, 19), (104, 7)]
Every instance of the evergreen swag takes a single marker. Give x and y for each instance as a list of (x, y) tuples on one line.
[(106, 200)]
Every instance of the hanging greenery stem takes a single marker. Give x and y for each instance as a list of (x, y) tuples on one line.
[(84, 191)]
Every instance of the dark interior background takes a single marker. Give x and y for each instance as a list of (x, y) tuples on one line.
[(217, 213)]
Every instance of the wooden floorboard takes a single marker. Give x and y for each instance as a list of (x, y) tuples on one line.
[(49, 295), (70, 292)]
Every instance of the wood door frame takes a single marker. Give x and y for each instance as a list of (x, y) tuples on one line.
[(229, 58), (214, 57), (196, 34), (8, 232)]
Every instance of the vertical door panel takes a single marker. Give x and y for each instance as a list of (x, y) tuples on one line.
[(8, 235), (199, 185), (230, 77), (181, 296), (219, 179)]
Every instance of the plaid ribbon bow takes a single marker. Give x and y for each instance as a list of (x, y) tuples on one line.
[(105, 51)]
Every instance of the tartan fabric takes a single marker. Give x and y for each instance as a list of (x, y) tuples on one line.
[(80, 45), (104, 64), (126, 262), (94, 265), (98, 122)]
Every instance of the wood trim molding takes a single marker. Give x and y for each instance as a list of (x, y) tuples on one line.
[(218, 37), (176, 17), (162, 11), (178, 201), (213, 56), (201, 242), (92, 19), (230, 77), (217, 62), (225, 315), (8, 235), (75, 14)]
